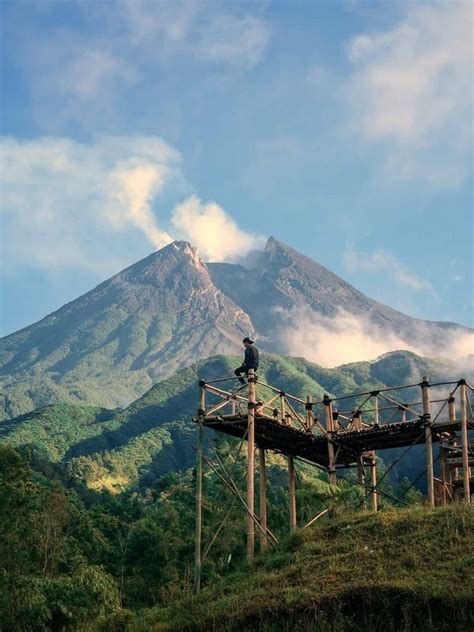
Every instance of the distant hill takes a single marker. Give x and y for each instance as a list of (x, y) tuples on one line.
[(121, 449), (170, 310)]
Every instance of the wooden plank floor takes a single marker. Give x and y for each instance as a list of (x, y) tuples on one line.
[(273, 435)]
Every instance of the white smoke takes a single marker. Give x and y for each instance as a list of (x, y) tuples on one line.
[(214, 233), (344, 338), (71, 204), (133, 189), (76, 205)]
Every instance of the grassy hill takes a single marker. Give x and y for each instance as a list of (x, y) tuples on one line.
[(72, 558), (118, 450), (410, 569)]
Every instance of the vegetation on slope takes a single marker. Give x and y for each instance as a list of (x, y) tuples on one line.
[(154, 435), (402, 569), (75, 559)]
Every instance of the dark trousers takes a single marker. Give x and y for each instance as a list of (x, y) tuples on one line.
[(243, 369)]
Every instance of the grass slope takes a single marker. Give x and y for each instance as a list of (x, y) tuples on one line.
[(396, 570)]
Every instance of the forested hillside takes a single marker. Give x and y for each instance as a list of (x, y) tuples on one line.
[(120, 450), (75, 559)]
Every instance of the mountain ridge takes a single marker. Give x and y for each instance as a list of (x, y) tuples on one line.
[(108, 346)]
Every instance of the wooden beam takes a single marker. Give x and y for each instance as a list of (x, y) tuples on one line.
[(263, 498), (454, 471), (442, 469), (361, 477), (199, 485), (465, 445), (428, 440), (329, 431), (309, 413), (251, 465), (316, 517), (373, 483), (292, 492)]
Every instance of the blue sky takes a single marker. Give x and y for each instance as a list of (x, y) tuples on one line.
[(342, 128)]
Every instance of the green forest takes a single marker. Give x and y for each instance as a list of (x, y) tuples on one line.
[(98, 510), (74, 558)]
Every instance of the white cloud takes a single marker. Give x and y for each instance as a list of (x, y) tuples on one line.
[(90, 73), (336, 340), (235, 40), (68, 204), (412, 89), (202, 30), (214, 233), (383, 261), (84, 72)]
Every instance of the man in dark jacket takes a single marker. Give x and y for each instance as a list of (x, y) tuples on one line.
[(250, 359)]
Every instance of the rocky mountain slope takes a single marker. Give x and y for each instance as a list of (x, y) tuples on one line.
[(281, 289), (169, 310), (110, 345)]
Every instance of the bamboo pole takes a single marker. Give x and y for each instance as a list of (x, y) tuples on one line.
[(373, 483), (251, 465), (263, 498), (282, 407), (329, 431), (452, 408), (465, 445), (199, 485), (454, 471), (292, 492), (361, 477), (230, 484), (442, 469), (428, 440), (309, 413)]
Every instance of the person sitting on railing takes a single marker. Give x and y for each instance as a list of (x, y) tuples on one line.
[(250, 359)]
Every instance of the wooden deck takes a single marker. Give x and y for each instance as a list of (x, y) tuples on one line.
[(273, 435)]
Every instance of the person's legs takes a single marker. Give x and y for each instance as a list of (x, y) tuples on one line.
[(238, 372)]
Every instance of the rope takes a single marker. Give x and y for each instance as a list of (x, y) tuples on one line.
[(397, 460), (422, 473), (233, 498)]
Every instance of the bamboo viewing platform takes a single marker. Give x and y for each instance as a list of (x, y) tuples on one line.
[(333, 434)]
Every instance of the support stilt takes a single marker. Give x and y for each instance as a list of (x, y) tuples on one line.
[(263, 498), (443, 477), (361, 477), (251, 465), (453, 471), (292, 492), (329, 430), (465, 444), (373, 483), (199, 481), (309, 413), (428, 440)]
